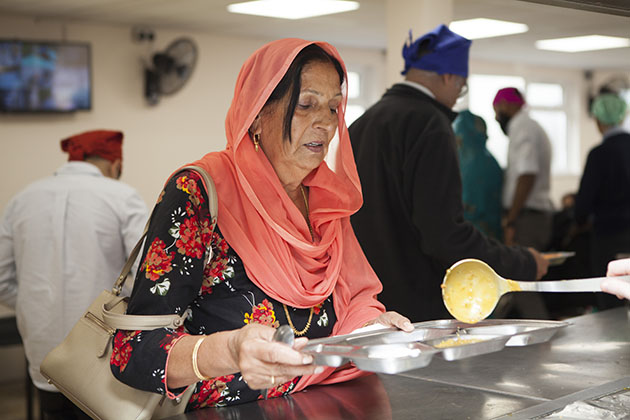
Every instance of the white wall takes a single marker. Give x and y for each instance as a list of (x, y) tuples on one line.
[(181, 128), (157, 139)]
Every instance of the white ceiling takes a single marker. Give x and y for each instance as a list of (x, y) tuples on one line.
[(364, 27)]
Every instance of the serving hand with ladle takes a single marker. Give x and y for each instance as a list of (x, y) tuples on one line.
[(471, 289)]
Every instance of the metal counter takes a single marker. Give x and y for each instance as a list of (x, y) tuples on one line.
[(592, 351), (591, 354)]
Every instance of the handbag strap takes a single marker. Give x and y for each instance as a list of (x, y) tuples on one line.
[(149, 322), (121, 321)]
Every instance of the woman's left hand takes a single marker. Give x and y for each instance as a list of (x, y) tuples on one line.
[(392, 319)]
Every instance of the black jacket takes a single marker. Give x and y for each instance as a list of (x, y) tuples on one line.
[(411, 225), (605, 186)]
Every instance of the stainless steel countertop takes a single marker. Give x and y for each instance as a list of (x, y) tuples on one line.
[(595, 350), (373, 397)]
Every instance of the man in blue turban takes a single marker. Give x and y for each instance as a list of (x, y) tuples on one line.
[(411, 226)]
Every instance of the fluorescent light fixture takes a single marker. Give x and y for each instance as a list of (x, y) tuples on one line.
[(486, 28), (293, 9), (583, 43)]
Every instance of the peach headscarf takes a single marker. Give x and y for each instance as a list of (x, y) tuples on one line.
[(261, 223)]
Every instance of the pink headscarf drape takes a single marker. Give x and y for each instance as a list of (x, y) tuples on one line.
[(259, 220)]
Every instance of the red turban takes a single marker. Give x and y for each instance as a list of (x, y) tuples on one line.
[(104, 143)]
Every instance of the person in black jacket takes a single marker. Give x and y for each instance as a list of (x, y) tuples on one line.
[(604, 195), (411, 225)]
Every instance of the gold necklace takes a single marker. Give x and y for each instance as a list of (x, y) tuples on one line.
[(308, 220), (308, 323), (286, 310)]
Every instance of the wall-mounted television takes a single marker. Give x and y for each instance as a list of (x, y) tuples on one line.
[(45, 76)]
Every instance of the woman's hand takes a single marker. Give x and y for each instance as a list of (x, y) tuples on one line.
[(265, 363), (392, 319)]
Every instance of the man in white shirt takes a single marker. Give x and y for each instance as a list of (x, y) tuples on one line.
[(63, 240), (526, 199), (526, 203)]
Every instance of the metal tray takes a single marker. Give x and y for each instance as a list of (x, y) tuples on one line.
[(389, 350), (557, 258)]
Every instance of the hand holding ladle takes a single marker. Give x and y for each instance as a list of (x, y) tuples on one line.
[(471, 289)]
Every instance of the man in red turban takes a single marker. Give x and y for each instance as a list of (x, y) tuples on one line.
[(63, 239), (102, 148)]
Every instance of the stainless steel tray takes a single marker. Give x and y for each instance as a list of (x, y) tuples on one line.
[(390, 350)]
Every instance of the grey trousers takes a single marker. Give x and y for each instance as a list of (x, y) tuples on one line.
[(532, 229)]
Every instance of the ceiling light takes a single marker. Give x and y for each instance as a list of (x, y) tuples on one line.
[(583, 43), (292, 9), (486, 28)]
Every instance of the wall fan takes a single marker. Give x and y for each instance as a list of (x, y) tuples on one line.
[(170, 69)]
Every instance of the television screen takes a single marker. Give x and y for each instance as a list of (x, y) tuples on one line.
[(44, 76)]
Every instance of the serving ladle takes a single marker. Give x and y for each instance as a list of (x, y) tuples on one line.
[(471, 289)]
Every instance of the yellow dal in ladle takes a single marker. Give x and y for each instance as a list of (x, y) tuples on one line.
[(471, 290)]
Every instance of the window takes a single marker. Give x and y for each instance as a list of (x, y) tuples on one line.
[(481, 91), (555, 125), (354, 85), (355, 106), (354, 109), (545, 95)]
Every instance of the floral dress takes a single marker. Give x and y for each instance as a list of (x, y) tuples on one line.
[(175, 276)]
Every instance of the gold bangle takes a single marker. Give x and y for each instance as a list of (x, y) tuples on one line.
[(194, 360)]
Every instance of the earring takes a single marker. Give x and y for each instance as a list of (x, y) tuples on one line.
[(256, 141)]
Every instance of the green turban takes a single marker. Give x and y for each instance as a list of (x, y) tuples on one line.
[(609, 109)]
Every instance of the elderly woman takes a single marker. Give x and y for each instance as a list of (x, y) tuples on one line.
[(284, 250)]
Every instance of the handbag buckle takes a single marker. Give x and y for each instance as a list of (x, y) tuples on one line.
[(117, 289)]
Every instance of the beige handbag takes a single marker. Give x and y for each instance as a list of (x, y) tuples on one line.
[(80, 366)]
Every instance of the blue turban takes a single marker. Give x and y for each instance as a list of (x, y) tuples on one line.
[(447, 52)]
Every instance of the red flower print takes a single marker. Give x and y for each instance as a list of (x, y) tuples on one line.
[(189, 209), (157, 262), (215, 271), (167, 342), (122, 349), (189, 242), (317, 308), (206, 231), (263, 314), (211, 393), (282, 389), (189, 186)]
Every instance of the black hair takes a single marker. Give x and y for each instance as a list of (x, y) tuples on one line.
[(518, 93), (292, 81)]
